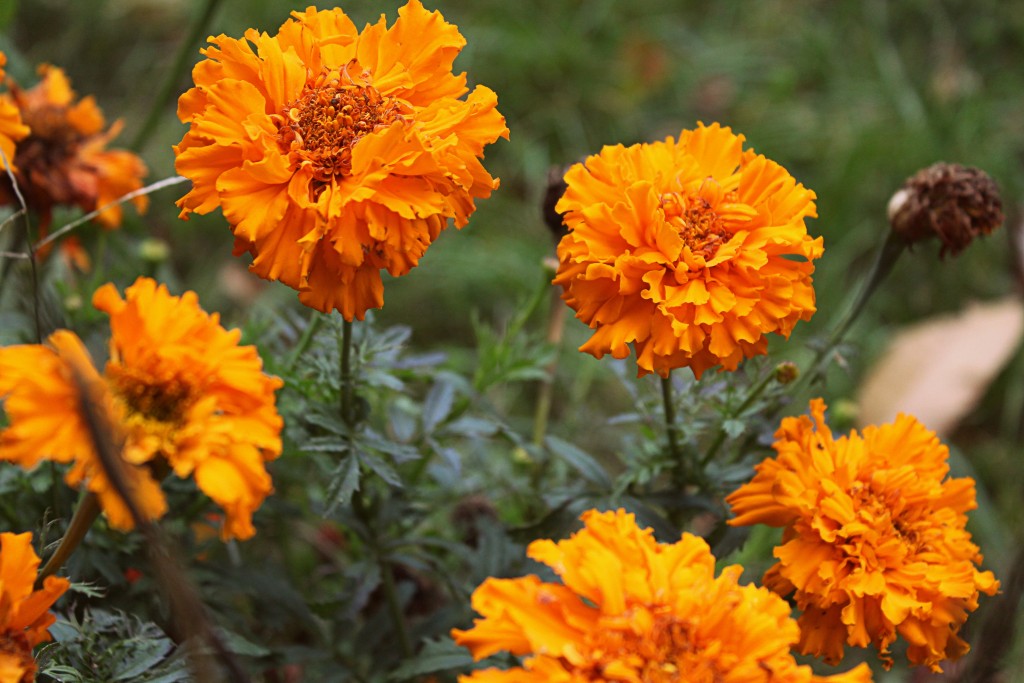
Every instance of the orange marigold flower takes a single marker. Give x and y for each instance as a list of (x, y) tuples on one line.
[(24, 613), (11, 127), (634, 610), (178, 387), (63, 160), (875, 543), (692, 250), (336, 154)]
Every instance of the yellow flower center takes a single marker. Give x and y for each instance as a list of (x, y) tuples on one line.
[(330, 116), (697, 223), (164, 399)]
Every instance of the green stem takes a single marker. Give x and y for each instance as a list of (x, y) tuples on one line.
[(307, 336), (347, 393), (885, 259), (170, 83), (85, 514), (545, 390), (394, 606), (679, 473)]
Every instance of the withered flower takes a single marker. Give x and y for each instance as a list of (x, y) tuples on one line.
[(952, 202)]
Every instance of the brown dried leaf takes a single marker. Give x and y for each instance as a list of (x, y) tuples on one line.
[(937, 370)]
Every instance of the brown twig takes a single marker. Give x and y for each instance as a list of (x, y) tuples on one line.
[(186, 609)]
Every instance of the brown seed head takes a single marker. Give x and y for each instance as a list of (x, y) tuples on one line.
[(952, 202)]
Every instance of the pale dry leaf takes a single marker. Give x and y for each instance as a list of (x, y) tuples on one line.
[(938, 370)]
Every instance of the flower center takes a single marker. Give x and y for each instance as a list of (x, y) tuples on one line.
[(696, 222), (665, 653), (330, 116), (161, 399), (16, 646), (49, 123)]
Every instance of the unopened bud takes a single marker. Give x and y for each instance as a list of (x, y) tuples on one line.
[(952, 202), (786, 372), (154, 250)]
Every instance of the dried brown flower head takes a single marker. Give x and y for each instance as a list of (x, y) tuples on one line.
[(952, 202)]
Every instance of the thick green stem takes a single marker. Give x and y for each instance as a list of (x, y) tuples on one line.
[(347, 391), (85, 514), (394, 605), (679, 472)]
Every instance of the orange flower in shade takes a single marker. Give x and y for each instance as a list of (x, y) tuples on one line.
[(336, 154), (874, 542), (691, 250), (24, 612), (63, 161), (634, 610), (11, 127), (180, 391)]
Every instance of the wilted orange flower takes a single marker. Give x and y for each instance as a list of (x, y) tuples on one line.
[(335, 154), (24, 612), (64, 160), (874, 542), (180, 390), (634, 610), (690, 250), (11, 127)]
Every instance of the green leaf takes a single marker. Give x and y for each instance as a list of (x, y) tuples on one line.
[(734, 428), (582, 462), (344, 482), (437, 405), (438, 655)]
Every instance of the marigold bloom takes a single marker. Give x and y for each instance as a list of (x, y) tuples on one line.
[(875, 543), (634, 610), (11, 127), (24, 612), (336, 154), (179, 389), (64, 160), (691, 250)]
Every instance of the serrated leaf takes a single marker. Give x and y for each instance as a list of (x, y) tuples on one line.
[(437, 405), (344, 483), (380, 468), (582, 462)]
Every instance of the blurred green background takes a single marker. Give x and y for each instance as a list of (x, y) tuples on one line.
[(851, 97)]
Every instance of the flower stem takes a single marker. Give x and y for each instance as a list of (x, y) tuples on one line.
[(885, 259), (85, 514), (307, 336), (347, 393), (394, 606), (556, 325), (679, 473)]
